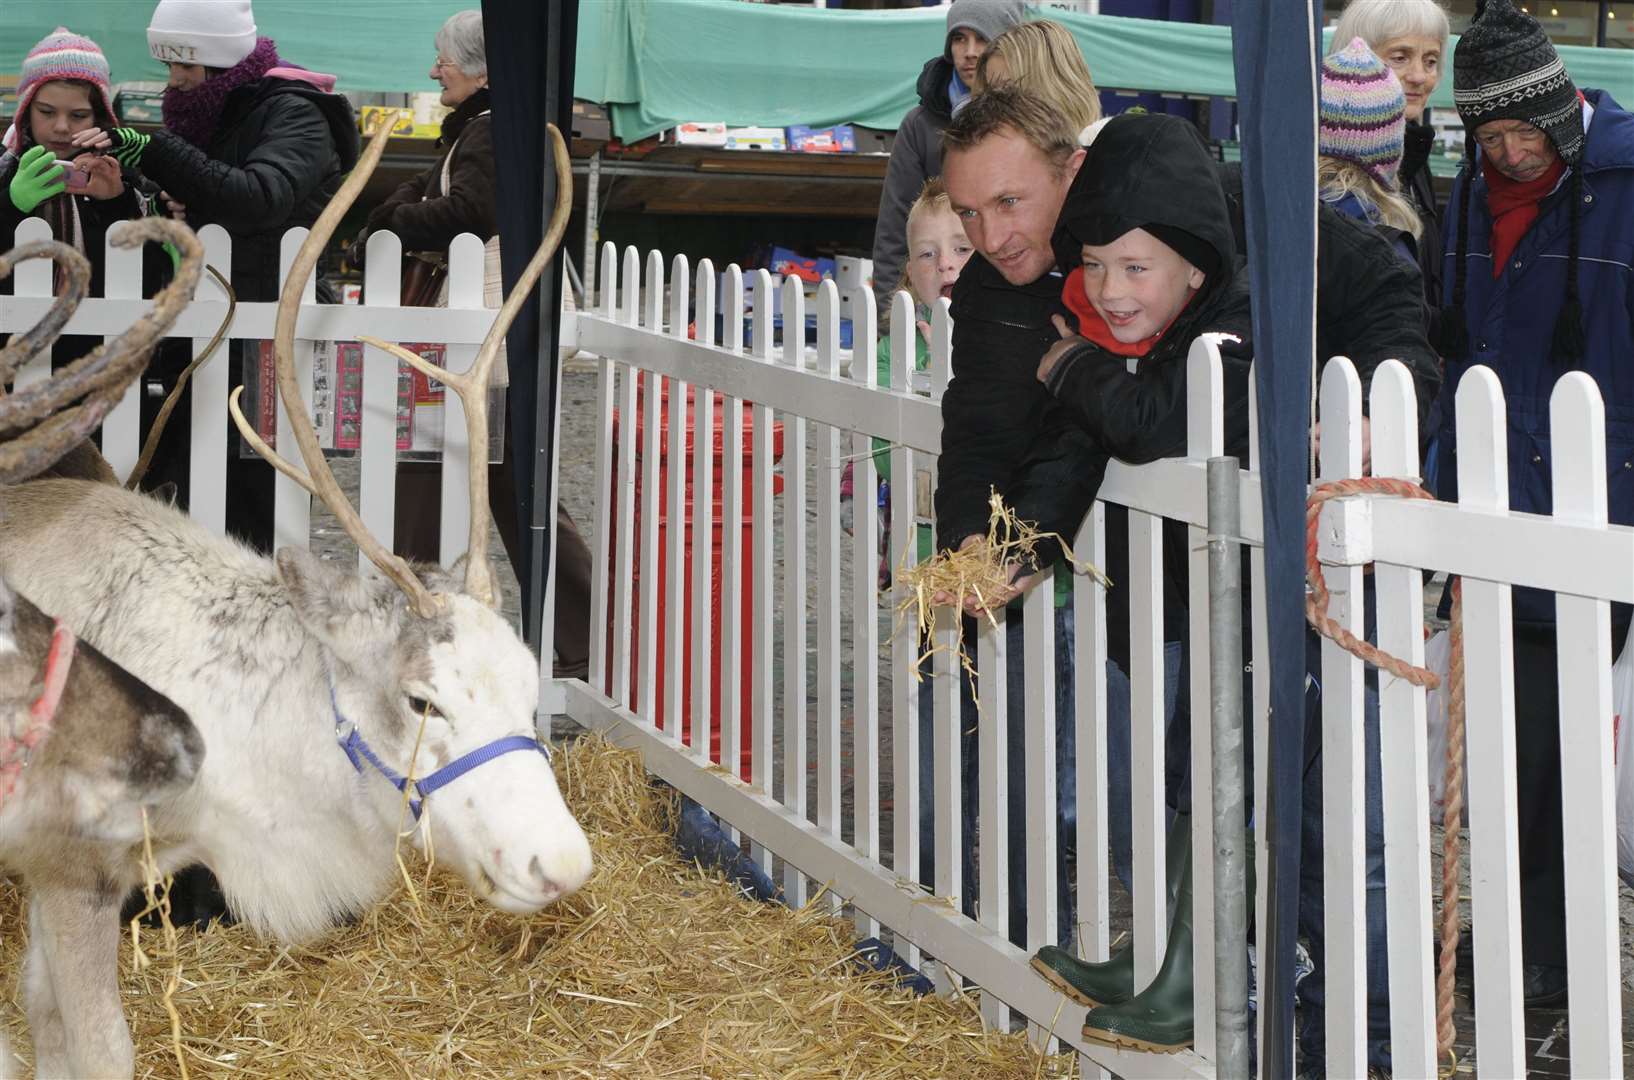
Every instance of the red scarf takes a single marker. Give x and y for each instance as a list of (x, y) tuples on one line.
[(1514, 207), (1093, 327)]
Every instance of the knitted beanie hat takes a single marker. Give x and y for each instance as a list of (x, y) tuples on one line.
[(215, 33), (1505, 68), (987, 18), (1364, 112), (60, 55)]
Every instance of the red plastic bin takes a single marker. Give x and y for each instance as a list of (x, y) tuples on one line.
[(716, 591)]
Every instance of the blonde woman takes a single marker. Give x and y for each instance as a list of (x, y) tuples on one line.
[(1043, 58), (1363, 118)]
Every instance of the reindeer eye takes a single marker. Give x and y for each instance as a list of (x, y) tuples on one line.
[(421, 707)]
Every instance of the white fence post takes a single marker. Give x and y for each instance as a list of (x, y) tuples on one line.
[(827, 614), (645, 430), (1588, 802), (465, 270), (33, 278), (207, 465), (703, 528), (601, 665), (865, 602), (292, 506), (905, 644), (1489, 697), (122, 428)]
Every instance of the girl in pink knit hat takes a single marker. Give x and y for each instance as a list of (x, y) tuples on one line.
[(63, 104)]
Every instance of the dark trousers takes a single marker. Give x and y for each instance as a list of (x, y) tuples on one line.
[(1538, 795)]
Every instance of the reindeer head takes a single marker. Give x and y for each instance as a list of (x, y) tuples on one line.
[(432, 688)]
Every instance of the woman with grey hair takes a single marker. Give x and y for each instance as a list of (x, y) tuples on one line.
[(456, 195), (1410, 36)]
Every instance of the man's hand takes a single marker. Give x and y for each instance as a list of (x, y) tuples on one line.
[(1367, 445), (1069, 340), (1019, 583)]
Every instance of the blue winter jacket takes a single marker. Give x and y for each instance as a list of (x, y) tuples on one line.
[(1511, 321)]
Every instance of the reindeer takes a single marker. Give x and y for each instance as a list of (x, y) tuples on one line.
[(335, 705), (84, 745)]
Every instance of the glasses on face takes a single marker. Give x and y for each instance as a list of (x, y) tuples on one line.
[(441, 63)]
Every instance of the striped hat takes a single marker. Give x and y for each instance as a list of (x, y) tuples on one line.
[(60, 55), (1505, 68), (1364, 113)]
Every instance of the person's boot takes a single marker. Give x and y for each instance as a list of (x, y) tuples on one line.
[(1160, 1017), (1112, 980)]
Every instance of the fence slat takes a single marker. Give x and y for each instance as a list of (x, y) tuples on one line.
[(795, 705), (377, 441), (1404, 769), (1092, 931), (1343, 757), (703, 528), (905, 687), (679, 515), (762, 553), (465, 290), (1587, 750), (33, 278), (865, 604), (1489, 699), (602, 530), (122, 427), (624, 571), (292, 506), (1146, 675), (207, 464), (733, 633), (651, 406), (827, 614)]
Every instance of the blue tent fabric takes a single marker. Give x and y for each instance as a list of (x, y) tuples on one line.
[(1278, 119)]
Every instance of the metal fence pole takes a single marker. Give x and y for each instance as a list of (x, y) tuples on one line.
[(1231, 852)]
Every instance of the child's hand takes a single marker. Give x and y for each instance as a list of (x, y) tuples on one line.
[(1069, 340), (104, 179), (93, 138)]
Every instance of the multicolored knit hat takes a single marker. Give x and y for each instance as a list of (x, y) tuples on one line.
[(1505, 68), (1363, 113), (62, 54)]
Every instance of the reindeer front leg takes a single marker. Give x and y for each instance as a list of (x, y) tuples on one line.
[(72, 985)]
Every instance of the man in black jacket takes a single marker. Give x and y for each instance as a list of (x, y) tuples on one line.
[(257, 147), (916, 155)]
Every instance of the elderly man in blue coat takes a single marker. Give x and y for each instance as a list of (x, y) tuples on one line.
[(1540, 283)]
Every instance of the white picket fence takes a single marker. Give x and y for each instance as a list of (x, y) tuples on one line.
[(797, 605)]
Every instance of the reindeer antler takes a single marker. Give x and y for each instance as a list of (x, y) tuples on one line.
[(472, 385), (56, 415)]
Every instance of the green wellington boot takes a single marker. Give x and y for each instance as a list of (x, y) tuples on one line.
[(1110, 981), (1160, 1017)]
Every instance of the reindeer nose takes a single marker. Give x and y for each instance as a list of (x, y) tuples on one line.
[(564, 871)]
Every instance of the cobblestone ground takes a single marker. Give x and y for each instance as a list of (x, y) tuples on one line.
[(1547, 1040)]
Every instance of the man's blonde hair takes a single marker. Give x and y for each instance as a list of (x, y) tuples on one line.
[(1043, 58), (1031, 116)]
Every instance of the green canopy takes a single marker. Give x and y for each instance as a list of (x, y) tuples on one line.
[(658, 62)]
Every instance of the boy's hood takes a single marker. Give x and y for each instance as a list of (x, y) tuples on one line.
[(1145, 169)]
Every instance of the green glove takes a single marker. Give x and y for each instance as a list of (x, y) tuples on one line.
[(128, 145), (38, 178)]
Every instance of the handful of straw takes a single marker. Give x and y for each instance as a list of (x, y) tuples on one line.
[(983, 571)]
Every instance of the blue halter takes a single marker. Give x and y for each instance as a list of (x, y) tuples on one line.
[(358, 751)]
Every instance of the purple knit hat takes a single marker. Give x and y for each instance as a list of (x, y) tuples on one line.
[(1364, 113), (60, 55)]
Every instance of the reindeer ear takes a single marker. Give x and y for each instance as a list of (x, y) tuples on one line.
[(452, 580), (355, 616)]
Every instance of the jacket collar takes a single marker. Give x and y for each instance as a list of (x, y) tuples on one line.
[(1610, 142), (467, 110)]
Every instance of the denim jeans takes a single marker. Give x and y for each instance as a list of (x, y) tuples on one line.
[(1119, 754), (1312, 991), (1065, 778)]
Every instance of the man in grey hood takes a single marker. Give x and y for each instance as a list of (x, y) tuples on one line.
[(916, 156)]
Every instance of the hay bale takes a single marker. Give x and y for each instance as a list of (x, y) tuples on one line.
[(653, 969)]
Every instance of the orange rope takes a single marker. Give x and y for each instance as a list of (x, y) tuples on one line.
[(1316, 612)]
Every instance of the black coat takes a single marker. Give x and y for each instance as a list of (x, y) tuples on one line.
[(916, 156), (425, 219), (1369, 302), (1419, 187), (96, 217), (280, 151)]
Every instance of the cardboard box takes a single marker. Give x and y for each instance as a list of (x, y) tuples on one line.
[(756, 138), (700, 133), (852, 273), (404, 125), (839, 139)]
